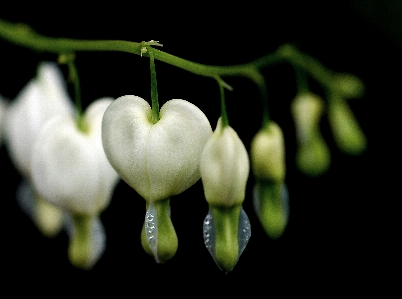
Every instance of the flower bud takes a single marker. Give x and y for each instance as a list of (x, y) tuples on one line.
[(224, 172), (346, 130), (312, 156), (225, 168), (267, 152), (307, 109)]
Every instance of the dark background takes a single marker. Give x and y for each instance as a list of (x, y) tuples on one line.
[(340, 223)]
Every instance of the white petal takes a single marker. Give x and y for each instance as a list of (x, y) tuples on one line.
[(157, 160)]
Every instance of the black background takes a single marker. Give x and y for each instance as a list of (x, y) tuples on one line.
[(340, 223)]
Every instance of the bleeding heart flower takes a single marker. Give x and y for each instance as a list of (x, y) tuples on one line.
[(157, 159), (42, 98), (69, 166), (71, 171), (160, 159)]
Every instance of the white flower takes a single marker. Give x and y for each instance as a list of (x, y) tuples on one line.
[(160, 159), (69, 166), (42, 98)]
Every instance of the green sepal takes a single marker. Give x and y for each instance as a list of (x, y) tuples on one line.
[(79, 247), (271, 204), (226, 234), (161, 241)]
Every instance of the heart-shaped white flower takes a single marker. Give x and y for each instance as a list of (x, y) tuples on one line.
[(69, 166), (160, 159)]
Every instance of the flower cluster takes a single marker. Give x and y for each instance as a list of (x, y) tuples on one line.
[(70, 160), (67, 179)]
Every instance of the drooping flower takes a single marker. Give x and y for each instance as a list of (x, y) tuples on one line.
[(270, 194), (70, 170), (42, 98), (313, 156), (346, 130), (158, 160)]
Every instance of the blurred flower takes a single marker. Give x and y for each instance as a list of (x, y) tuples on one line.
[(271, 202), (267, 152), (42, 98), (70, 170), (313, 156), (347, 133)]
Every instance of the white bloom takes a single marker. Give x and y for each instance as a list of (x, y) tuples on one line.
[(42, 98), (157, 160), (69, 166)]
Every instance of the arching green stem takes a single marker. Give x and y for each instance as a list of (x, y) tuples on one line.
[(23, 35)]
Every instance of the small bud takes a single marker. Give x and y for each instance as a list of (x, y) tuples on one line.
[(307, 109), (346, 130), (224, 168), (267, 153), (313, 155)]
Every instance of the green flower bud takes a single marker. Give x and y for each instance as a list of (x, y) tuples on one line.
[(346, 130), (267, 152), (225, 168), (307, 109), (271, 203), (313, 156)]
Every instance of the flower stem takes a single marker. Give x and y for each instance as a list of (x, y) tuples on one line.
[(154, 88)]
